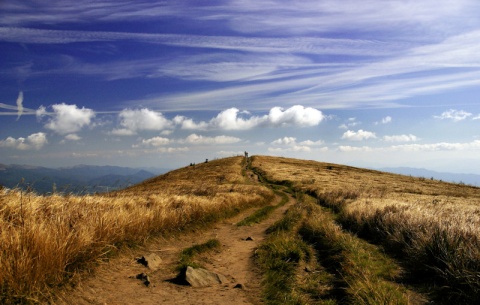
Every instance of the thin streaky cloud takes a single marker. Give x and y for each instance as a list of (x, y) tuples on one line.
[(305, 45)]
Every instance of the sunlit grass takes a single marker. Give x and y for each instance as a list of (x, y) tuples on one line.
[(47, 241), (431, 226)]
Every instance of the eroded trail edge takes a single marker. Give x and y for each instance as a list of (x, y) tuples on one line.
[(116, 282)]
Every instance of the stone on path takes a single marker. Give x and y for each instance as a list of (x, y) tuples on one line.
[(152, 261), (200, 277)]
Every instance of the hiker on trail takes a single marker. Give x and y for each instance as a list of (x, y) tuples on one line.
[(246, 154)]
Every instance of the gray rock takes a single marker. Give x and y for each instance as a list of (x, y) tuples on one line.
[(152, 261), (200, 277)]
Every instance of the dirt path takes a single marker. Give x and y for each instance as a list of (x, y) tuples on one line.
[(115, 283)]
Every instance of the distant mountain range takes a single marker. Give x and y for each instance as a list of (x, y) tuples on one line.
[(470, 179), (78, 179), (83, 179)]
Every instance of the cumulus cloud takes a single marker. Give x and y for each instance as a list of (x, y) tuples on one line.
[(34, 141), (199, 139), (295, 116), (454, 115), (187, 123), (401, 138), (155, 142), (359, 135), (385, 120), (66, 119), (234, 119), (285, 141), (292, 145), (230, 119), (132, 121)]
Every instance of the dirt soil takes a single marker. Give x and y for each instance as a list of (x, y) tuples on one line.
[(115, 283)]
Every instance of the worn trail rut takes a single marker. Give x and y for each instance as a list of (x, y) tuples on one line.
[(115, 283)]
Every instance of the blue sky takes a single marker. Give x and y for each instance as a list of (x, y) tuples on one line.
[(166, 83)]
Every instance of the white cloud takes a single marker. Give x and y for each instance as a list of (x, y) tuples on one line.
[(73, 137), (187, 123), (312, 143), (359, 135), (172, 149), (351, 122), (291, 141), (66, 119), (234, 119), (230, 120), (123, 132), (155, 142), (34, 141), (293, 146), (199, 139), (20, 104), (295, 116), (442, 146), (285, 141), (133, 121), (355, 149), (454, 115), (401, 138), (385, 120)]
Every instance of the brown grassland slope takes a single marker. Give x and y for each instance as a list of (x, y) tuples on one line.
[(48, 241), (353, 236), (432, 227)]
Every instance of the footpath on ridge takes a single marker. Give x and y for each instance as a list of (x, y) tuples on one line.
[(116, 282)]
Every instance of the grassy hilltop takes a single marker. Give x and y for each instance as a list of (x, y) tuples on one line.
[(367, 236), (46, 241)]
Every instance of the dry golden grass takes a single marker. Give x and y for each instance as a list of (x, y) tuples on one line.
[(46, 241), (431, 225)]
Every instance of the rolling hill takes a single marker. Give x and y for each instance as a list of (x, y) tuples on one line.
[(348, 235)]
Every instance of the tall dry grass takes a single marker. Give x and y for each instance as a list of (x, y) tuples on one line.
[(47, 241), (439, 241), (431, 225)]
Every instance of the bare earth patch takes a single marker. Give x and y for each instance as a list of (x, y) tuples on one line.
[(115, 282)]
